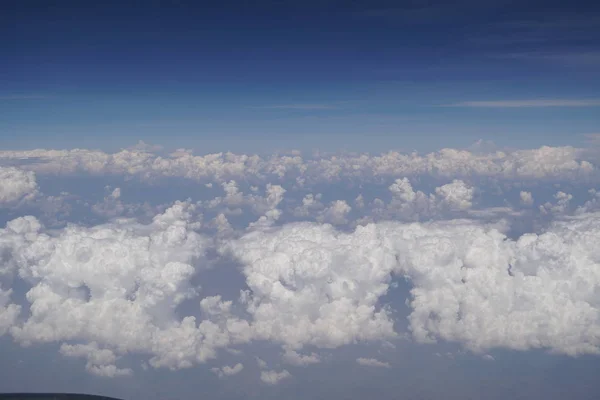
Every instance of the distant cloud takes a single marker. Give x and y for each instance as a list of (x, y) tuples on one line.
[(274, 377), (227, 370), (528, 103), (372, 362)]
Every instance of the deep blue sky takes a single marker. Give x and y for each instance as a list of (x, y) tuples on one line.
[(255, 76)]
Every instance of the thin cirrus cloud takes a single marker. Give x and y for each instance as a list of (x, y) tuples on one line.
[(527, 103)]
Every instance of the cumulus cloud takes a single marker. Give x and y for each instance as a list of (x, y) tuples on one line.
[(294, 358), (526, 198), (560, 206), (590, 205), (308, 285), (17, 186), (372, 362), (117, 285), (8, 311), (274, 377), (228, 371), (112, 205), (99, 361), (410, 205), (543, 163), (336, 213)]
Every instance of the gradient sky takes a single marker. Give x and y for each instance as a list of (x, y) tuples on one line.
[(256, 76)]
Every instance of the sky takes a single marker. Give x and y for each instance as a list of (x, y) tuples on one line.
[(274, 199), (268, 75)]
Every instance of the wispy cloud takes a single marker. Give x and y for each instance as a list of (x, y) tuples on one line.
[(372, 362), (528, 103)]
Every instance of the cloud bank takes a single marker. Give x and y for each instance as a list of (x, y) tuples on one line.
[(495, 251)]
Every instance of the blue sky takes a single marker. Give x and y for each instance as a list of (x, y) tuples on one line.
[(264, 75)]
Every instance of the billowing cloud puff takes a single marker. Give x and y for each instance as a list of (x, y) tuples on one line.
[(100, 362), (410, 205), (228, 371), (274, 377), (294, 358), (17, 185), (310, 284), (116, 285), (543, 163), (8, 312), (526, 198)]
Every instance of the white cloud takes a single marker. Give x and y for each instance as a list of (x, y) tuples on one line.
[(336, 213), (294, 358), (8, 311), (308, 285), (111, 206), (526, 198), (274, 377), (543, 163), (456, 196), (261, 363), (372, 362), (118, 285), (410, 205), (313, 285), (100, 362), (17, 186), (228, 371), (560, 207)]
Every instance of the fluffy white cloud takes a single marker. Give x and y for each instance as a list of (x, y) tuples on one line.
[(274, 377), (8, 311), (100, 362), (410, 205), (590, 205), (372, 362), (336, 213), (560, 206), (294, 358), (309, 285), (526, 198), (117, 285), (228, 371), (543, 163), (456, 196), (17, 186)]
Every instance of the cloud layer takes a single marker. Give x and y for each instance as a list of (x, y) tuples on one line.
[(312, 252)]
